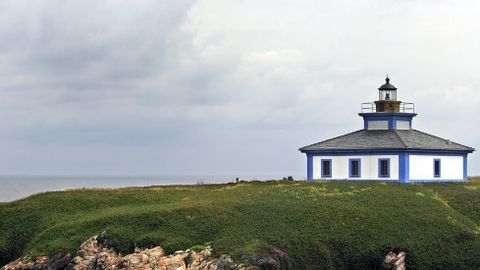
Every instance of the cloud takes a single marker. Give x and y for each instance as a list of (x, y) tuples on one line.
[(221, 87)]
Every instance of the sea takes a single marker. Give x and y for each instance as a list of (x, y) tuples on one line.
[(18, 187)]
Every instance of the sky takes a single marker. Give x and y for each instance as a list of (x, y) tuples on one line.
[(215, 87)]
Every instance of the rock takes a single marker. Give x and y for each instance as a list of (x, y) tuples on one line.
[(53, 262), (225, 262), (58, 261), (93, 255), (20, 264), (145, 259), (274, 259), (394, 260)]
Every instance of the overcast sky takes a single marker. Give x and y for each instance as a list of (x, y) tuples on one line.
[(215, 87)]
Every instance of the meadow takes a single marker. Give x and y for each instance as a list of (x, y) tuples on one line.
[(320, 225)]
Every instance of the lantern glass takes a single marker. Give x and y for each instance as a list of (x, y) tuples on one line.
[(388, 95)]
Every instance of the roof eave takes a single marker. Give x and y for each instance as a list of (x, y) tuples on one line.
[(357, 150)]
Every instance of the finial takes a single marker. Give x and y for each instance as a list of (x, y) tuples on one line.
[(387, 79)]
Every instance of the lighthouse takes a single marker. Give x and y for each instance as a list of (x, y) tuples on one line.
[(388, 148)]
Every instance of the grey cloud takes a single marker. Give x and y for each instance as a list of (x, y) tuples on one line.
[(220, 87), (98, 41)]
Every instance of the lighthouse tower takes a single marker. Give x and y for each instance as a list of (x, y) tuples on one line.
[(387, 112), (387, 148)]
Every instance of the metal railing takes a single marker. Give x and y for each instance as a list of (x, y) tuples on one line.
[(405, 107)]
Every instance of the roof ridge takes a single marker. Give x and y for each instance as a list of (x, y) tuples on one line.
[(446, 140), (327, 140), (400, 138)]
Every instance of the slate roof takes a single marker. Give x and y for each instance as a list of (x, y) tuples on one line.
[(387, 140)]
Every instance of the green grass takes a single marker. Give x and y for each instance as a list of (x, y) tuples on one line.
[(321, 225)]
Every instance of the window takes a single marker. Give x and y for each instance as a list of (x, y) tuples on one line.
[(384, 167), (326, 168), (436, 168), (354, 167)]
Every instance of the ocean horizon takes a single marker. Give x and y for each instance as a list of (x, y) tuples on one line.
[(17, 187)]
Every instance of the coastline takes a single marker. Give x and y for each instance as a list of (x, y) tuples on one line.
[(17, 187)]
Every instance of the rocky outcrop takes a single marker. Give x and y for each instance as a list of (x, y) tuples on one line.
[(93, 255)]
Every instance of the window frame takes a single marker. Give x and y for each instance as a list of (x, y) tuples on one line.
[(322, 168), (350, 167), (435, 160), (380, 168)]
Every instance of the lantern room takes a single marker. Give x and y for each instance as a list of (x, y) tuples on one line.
[(387, 98), (387, 91)]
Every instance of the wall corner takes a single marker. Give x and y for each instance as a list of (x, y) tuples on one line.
[(309, 167)]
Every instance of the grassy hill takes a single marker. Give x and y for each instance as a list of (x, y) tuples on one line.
[(321, 225)]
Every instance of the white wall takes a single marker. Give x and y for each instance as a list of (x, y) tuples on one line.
[(421, 167), (376, 124), (401, 124), (369, 167)]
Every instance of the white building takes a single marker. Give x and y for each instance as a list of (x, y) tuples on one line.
[(387, 148)]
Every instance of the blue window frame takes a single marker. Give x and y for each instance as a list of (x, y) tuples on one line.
[(326, 168), (437, 168), (354, 168), (383, 167)]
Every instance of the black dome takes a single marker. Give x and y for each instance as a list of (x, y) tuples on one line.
[(387, 86)]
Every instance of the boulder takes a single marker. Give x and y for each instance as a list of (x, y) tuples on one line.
[(58, 261), (93, 255)]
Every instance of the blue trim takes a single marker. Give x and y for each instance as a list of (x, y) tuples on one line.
[(388, 114), (404, 167), (380, 168), (309, 167), (350, 174), (330, 169), (390, 117), (410, 182), (407, 168), (435, 160)]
